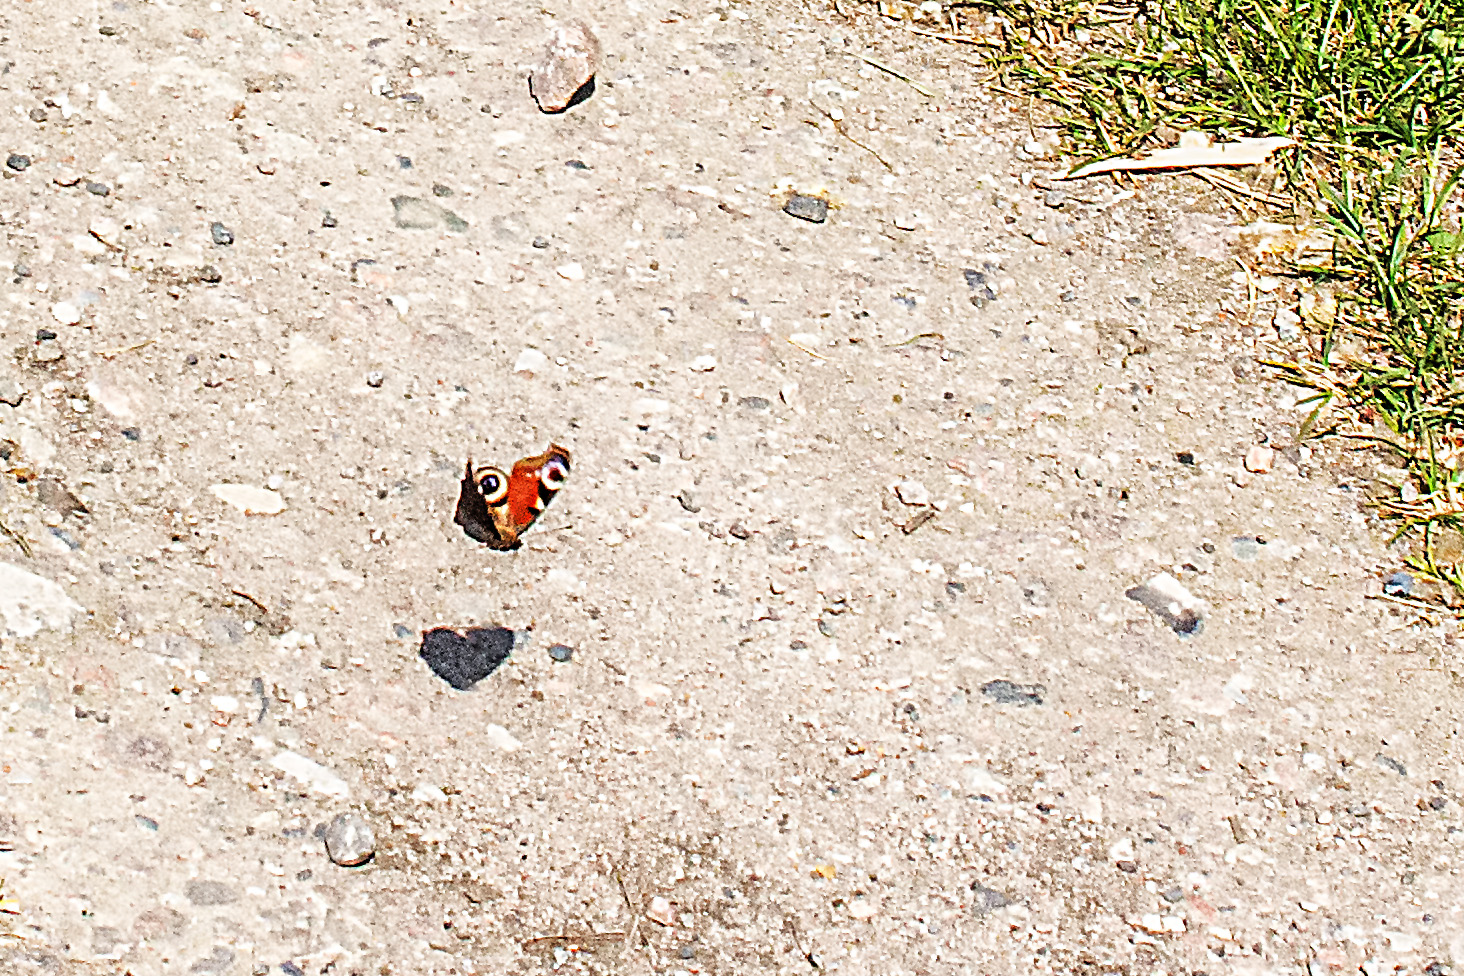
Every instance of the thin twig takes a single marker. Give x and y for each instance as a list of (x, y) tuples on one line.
[(261, 606), (795, 345), (1218, 179), (839, 128), (114, 353), (16, 538), (957, 38), (922, 89)]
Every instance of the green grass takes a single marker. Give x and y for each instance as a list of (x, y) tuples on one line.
[(1374, 94)]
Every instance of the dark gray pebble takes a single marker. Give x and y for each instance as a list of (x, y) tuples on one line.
[(438, 190), (1005, 692), (561, 652), (349, 841), (328, 221), (755, 403), (221, 235), (1398, 584), (401, 630), (815, 210), (37, 114), (1388, 762), (209, 274), (576, 164), (98, 189), (986, 900), (210, 893), (18, 162), (290, 969), (1173, 895), (147, 823), (405, 162), (132, 433), (216, 963), (43, 334), (688, 501), (462, 660)]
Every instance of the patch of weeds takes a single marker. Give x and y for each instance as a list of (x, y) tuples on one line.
[(1373, 93)]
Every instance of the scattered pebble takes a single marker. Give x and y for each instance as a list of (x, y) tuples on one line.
[(37, 114), (979, 283), (815, 210), (661, 912), (18, 162), (1167, 598), (210, 893), (11, 393), (688, 501), (906, 222), (703, 364), (47, 350), (414, 213), (561, 653), (54, 495), (30, 603), (1246, 548), (349, 841), (328, 221), (1398, 584), (66, 313), (571, 272), (1388, 762), (375, 378), (500, 738), (462, 660), (986, 900), (98, 189), (1258, 459), (248, 499), (1005, 692), (221, 235), (319, 778), (565, 74), (529, 363)]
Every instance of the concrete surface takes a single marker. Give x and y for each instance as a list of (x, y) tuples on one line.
[(792, 736)]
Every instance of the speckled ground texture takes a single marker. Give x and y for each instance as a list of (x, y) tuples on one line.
[(778, 746)]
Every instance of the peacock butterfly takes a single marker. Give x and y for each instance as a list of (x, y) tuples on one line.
[(495, 507)]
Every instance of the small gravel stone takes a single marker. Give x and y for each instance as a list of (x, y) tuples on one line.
[(739, 531), (66, 313), (986, 900), (221, 235), (349, 841), (439, 190), (462, 660), (328, 221), (47, 351), (1054, 198), (980, 285), (1398, 584), (1005, 692), (98, 189), (414, 213), (1388, 762), (561, 652), (1173, 895), (37, 114), (1166, 598), (565, 73), (18, 162), (661, 912), (1246, 548), (688, 501), (210, 893), (1258, 459), (815, 210), (11, 392), (375, 378)]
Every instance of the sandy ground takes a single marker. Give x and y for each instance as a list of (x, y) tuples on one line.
[(793, 736)]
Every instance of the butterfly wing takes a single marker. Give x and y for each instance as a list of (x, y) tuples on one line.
[(532, 485), (495, 508), (474, 515)]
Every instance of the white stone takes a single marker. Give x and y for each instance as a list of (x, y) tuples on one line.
[(501, 738), (427, 793), (704, 364), (573, 271), (311, 773), (29, 603), (1258, 459), (529, 362), (248, 499), (661, 912), (1093, 809), (66, 313)]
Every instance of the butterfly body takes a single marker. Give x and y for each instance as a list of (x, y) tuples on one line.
[(495, 506)]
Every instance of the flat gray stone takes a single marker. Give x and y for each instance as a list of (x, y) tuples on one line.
[(414, 213), (31, 603), (349, 840)]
